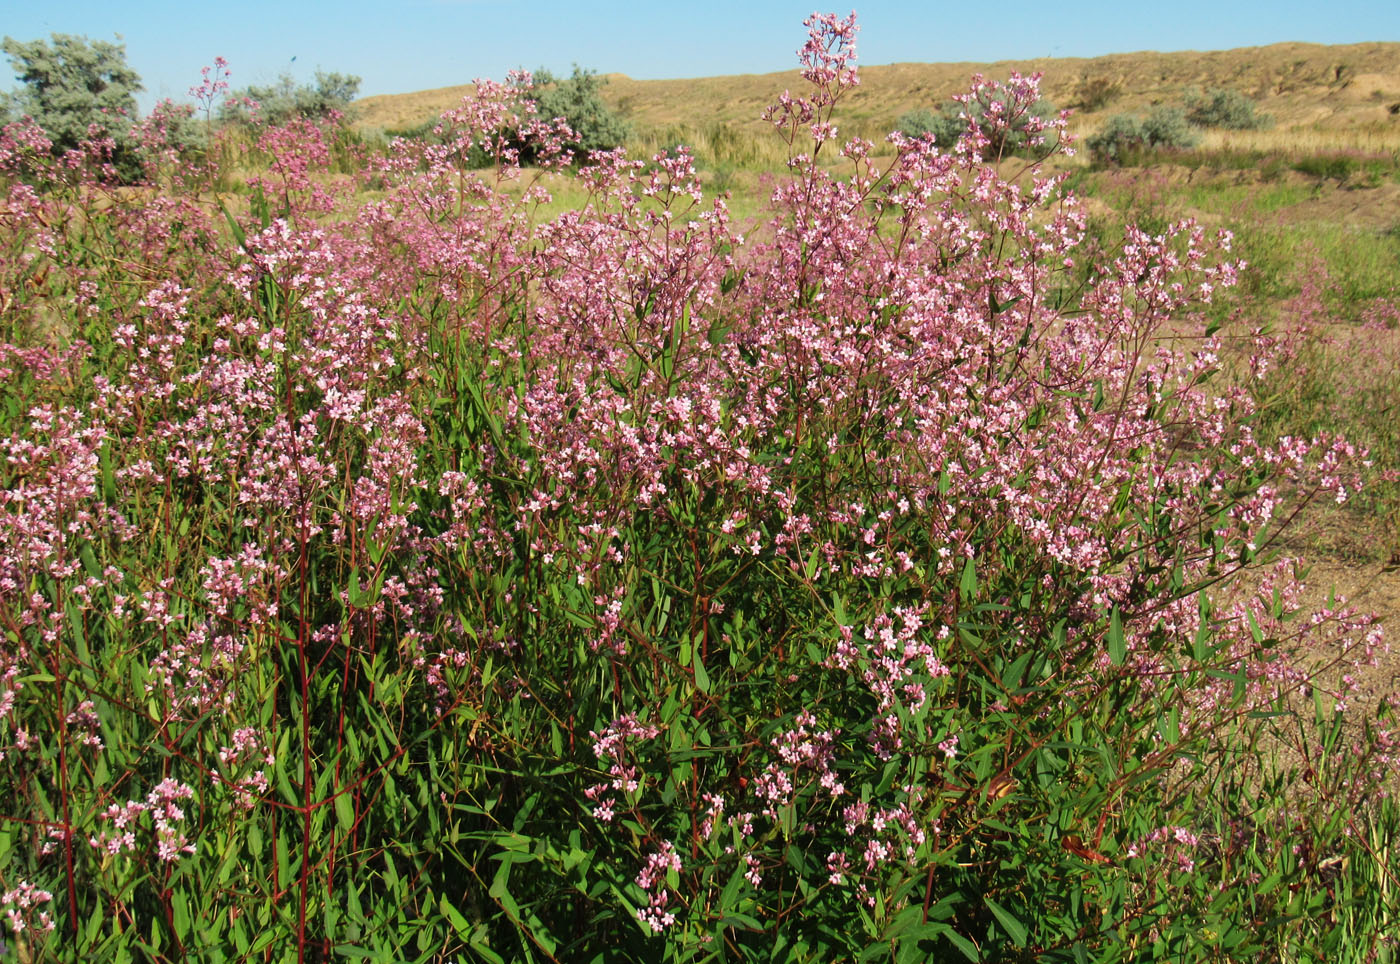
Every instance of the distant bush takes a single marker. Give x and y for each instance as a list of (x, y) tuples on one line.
[(1125, 136), (1008, 129), (1224, 108), (330, 94), (578, 99), (1095, 93), (1121, 135), (945, 125), (1168, 127)]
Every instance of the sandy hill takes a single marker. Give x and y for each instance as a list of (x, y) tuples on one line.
[(1301, 85)]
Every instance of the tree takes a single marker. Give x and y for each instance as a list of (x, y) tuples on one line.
[(70, 84)]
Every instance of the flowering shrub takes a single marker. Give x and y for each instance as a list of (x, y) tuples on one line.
[(414, 577)]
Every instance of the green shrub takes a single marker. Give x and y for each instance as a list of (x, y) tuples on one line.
[(578, 99), (1125, 138), (1168, 127), (947, 124), (1120, 137), (1225, 108), (278, 103)]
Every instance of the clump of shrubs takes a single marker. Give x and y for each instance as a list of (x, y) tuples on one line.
[(1019, 134), (276, 104), (1125, 137), (1226, 109)]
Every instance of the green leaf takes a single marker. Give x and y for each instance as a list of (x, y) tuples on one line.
[(233, 226), (741, 921), (1169, 725), (838, 609), (967, 588), (344, 811), (1011, 679), (1254, 629), (969, 949), (1117, 645), (500, 887), (702, 678), (454, 917), (1008, 921), (180, 914)]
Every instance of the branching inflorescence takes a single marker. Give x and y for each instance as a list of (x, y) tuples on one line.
[(868, 580)]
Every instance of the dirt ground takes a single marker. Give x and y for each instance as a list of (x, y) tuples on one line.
[(1373, 588)]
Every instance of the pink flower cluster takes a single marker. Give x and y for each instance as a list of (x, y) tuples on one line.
[(660, 865), (19, 902), (164, 806), (357, 469), (613, 748)]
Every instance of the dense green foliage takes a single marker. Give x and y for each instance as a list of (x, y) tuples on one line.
[(326, 94), (72, 86), (578, 99)]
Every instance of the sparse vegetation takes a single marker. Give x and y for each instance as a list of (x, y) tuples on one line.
[(1096, 93)]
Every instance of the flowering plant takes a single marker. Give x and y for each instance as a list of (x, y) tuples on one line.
[(420, 577)]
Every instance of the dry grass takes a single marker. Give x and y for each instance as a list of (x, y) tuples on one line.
[(1375, 138), (1313, 91)]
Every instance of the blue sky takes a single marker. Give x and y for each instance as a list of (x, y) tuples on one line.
[(418, 44)]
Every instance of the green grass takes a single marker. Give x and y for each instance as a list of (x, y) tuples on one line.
[(1363, 264), (1233, 199)]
